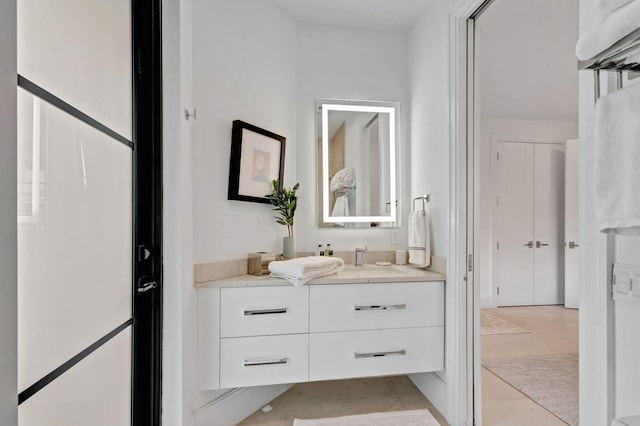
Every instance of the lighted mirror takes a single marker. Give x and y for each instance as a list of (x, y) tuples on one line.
[(357, 163)]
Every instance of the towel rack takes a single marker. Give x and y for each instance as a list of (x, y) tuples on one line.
[(615, 59), (425, 199)]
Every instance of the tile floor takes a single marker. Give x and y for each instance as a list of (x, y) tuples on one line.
[(342, 398), (554, 330)]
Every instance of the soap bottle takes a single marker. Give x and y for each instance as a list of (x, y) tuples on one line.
[(328, 251), (320, 251)]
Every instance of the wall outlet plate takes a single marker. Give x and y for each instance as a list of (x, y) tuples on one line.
[(395, 237), (626, 282)]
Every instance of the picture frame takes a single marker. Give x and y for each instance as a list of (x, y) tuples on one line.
[(257, 158)]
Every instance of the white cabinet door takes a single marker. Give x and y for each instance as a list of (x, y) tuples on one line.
[(548, 224), (264, 360), (571, 228), (375, 352), (395, 305), (513, 224), (261, 311)]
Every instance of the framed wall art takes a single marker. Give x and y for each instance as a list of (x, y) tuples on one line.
[(257, 158)]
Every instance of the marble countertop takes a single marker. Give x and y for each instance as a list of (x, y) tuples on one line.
[(369, 273)]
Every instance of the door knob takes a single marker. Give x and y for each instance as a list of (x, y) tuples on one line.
[(539, 244), (529, 244), (572, 244)]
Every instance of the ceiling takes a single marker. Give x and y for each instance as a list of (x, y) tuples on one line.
[(392, 15)]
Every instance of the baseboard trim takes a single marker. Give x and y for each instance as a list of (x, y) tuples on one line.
[(234, 406), (435, 389)]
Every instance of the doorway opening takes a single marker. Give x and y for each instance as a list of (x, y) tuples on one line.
[(523, 125)]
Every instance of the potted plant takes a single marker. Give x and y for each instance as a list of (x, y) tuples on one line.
[(285, 202)]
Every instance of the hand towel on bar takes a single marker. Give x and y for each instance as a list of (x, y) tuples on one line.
[(617, 157), (301, 270), (340, 208), (618, 24), (419, 238)]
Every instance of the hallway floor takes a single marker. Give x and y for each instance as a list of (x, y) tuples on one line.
[(553, 330)]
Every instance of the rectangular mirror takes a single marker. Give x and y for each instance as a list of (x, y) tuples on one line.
[(357, 163)]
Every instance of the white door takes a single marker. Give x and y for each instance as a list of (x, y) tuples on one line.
[(571, 228), (528, 223), (548, 224), (513, 224)]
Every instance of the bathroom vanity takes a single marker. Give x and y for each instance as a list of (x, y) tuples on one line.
[(363, 321)]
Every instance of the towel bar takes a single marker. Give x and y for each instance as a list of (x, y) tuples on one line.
[(425, 199)]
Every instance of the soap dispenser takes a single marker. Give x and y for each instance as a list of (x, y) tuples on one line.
[(320, 251), (328, 251)]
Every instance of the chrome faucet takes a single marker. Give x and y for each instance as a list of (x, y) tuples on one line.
[(360, 255)]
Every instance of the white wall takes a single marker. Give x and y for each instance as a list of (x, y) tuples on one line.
[(595, 296), (429, 164), (429, 152), (243, 68), (526, 86), (177, 371), (240, 65), (8, 232), (346, 63), (526, 65)]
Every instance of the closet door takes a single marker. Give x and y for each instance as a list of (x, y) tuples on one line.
[(513, 223), (549, 224)]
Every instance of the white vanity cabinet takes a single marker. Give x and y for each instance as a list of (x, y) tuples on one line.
[(264, 336), (360, 330), (278, 333)]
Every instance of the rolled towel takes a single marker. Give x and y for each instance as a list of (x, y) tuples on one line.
[(301, 270)]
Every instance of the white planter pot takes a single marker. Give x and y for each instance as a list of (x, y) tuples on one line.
[(288, 247)]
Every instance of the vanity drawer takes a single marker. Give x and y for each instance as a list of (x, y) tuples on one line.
[(375, 352), (265, 360), (259, 311), (347, 307)]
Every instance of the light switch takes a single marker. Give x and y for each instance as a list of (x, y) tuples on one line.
[(622, 282), (635, 285)]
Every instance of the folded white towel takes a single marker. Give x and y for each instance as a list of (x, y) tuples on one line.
[(608, 6), (620, 23), (301, 270), (617, 158), (419, 238)]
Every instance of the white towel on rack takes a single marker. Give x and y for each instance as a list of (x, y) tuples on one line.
[(419, 238), (620, 23), (617, 161), (608, 6), (341, 208), (301, 270)]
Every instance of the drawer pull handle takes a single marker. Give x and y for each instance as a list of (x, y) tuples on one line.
[(379, 354), (271, 362), (379, 307), (266, 311)]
